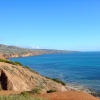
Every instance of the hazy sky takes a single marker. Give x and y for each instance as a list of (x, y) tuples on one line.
[(52, 24)]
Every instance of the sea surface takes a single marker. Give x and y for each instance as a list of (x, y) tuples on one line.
[(82, 68)]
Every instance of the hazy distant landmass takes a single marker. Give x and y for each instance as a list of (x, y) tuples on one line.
[(7, 51)]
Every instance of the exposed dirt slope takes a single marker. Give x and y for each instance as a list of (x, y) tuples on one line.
[(18, 78)]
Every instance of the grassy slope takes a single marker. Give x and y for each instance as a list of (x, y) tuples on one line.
[(19, 97)]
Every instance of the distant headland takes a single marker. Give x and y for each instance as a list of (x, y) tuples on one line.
[(7, 51)]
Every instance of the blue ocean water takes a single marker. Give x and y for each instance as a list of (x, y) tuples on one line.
[(81, 68)]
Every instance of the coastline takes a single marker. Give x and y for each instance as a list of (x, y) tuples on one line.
[(70, 86), (74, 87), (83, 89)]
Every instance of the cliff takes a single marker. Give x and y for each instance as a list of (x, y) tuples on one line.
[(19, 78), (14, 51)]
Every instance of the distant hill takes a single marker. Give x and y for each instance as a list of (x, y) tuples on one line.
[(7, 51)]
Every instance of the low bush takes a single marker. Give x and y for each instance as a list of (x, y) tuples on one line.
[(47, 77), (10, 62), (36, 90), (58, 81), (18, 63), (25, 94), (27, 67), (19, 97)]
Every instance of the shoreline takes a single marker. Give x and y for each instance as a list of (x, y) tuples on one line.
[(72, 86), (83, 89)]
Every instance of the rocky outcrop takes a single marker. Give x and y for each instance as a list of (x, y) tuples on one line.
[(18, 78), (12, 55)]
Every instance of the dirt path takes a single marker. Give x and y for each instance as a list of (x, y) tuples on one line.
[(71, 95)]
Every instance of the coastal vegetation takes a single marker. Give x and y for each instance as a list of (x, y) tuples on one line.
[(36, 90), (18, 63), (10, 62), (57, 80), (22, 96)]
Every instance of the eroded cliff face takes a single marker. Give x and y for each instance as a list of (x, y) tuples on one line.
[(1, 56), (18, 78), (5, 56), (14, 51)]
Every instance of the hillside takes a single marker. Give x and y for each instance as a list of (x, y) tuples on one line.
[(20, 78), (14, 51)]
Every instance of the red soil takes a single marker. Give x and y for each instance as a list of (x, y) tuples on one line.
[(71, 95)]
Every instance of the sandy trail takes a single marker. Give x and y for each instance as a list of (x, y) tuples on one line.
[(70, 95)]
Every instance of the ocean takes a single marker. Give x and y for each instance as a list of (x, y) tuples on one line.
[(81, 68)]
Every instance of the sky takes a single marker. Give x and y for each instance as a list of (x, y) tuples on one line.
[(51, 24)]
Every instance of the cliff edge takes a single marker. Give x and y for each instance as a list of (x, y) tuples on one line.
[(19, 78)]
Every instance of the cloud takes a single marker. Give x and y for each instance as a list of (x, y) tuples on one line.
[(37, 47), (31, 46)]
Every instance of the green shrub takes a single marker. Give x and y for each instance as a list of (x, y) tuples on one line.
[(59, 81), (52, 90), (27, 67), (56, 80), (47, 77), (8, 61), (18, 63), (19, 97), (25, 94), (11, 62), (1, 60), (36, 90)]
